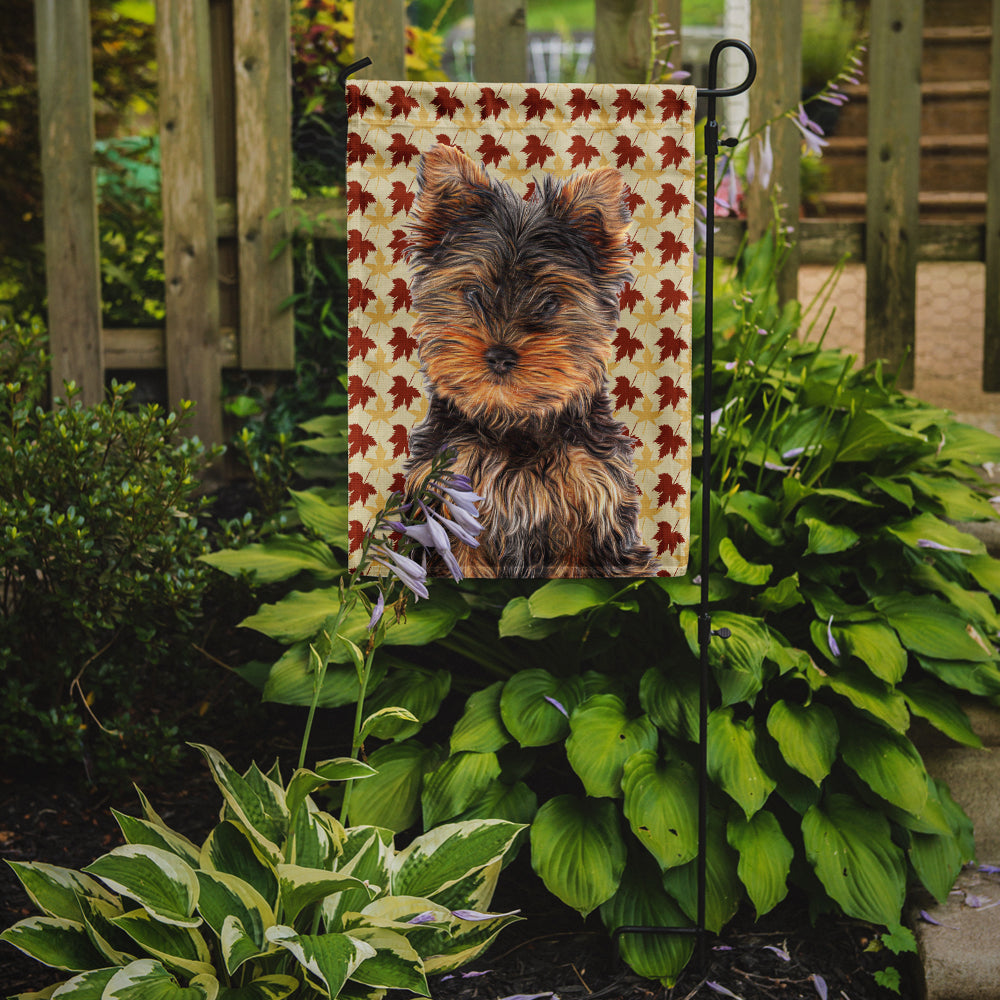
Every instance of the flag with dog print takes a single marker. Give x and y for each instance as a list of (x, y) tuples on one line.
[(520, 288)]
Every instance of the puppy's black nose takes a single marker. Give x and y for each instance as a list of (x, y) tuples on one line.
[(500, 360)]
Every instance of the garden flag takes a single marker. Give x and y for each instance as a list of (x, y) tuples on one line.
[(520, 283)]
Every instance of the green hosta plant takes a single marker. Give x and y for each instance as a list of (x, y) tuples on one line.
[(279, 900)]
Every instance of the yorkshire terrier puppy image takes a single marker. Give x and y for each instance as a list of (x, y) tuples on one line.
[(517, 304)]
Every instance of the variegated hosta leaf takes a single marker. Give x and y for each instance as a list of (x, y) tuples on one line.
[(476, 890), (177, 947), (301, 887), (54, 941), (304, 782), (315, 838), (230, 849), (329, 959), (395, 964), (87, 986), (850, 847), (456, 784), (116, 946), (661, 799), (807, 736), (147, 979), (275, 987), (158, 880), (602, 737), (141, 831), (367, 853), (225, 897), (56, 891), (467, 940), (578, 851), (732, 760), (481, 727), (441, 857), (765, 858)]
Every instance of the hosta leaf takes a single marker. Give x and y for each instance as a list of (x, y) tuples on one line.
[(416, 689), (56, 891), (559, 598), (876, 646), (516, 803), (739, 569), (937, 859), (304, 782), (850, 848), (481, 728), (985, 570), (87, 986), (602, 738), (327, 520), (732, 760), (641, 901), (274, 987), (738, 661), (976, 678), (517, 620), (387, 723), (965, 443), (280, 557), (367, 853), (888, 763), (441, 857), (928, 528), (159, 881), (866, 692), (54, 941), (760, 512), (870, 435), (578, 851), (661, 798), (456, 784), (395, 964), (180, 948), (330, 959), (230, 849), (807, 736), (300, 887), (827, 539), (466, 941), (671, 699), (147, 979), (931, 628), (527, 711), (141, 831), (225, 897), (765, 858), (783, 595), (958, 501), (291, 680), (391, 798), (941, 709)]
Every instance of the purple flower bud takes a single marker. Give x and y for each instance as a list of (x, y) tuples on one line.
[(820, 983), (558, 705), (377, 611), (834, 648), (427, 917), (411, 573), (927, 543)]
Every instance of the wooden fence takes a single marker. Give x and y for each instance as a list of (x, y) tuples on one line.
[(226, 160)]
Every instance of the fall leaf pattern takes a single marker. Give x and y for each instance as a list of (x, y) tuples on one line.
[(520, 134)]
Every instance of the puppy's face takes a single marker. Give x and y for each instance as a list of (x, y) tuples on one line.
[(517, 299)]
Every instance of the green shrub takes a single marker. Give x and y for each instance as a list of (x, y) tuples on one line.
[(101, 584)]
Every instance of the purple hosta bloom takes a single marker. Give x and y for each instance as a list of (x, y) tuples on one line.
[(531, 996), (719, 988), (456, 529), (927, 543), (834, 648), (760, 166), (465, 975), (820, 983), (552, 701), (989, 869), (427, 917), (411, 573), (475, 915), (811, 132), (780, 952), (377, 611), (727, 197)]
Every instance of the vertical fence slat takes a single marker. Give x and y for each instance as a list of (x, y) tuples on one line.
[(190, 253), (261, 57), (621, 40), (991, 332), (776, 35), (501, 41), (893, 183), (380, 34), (72, 257)]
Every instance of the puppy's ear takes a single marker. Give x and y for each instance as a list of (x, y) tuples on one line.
[(451, 187), (594, 205)]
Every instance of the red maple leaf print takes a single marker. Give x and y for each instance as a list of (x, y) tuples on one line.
[(401, 103), (402, 200), (629, 297), (358, 394), (355, 535), (403, 394), (671, 248), (627, 105), (672, 105), (445, 140), (627, 151), (399, 245), (669, 393), (670, 295), (358, 440), (582, 151), (582, 105), (625, 344), (536, 152), (358, 199), (358, 345), (357, 103), (398, 484), (673, 153), (537, 105), (358, 491), (403, 345), (669, 441), (530, 192), (490, 104), (358, 246), (358, 295), (400, 441), (634, 246), (633, 200), (625, 393), (400, 295), (446, 102), (671, 199), (358, 150), (667, 490), (670, 344), (491, 151), (667, 539), (402, 151)]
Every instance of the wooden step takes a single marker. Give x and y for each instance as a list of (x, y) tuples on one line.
[(940, 13), (956, 53), (945, 105), (958, 206)]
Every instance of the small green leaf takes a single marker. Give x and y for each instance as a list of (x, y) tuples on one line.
[(732, 760), (927, 527), (391, 798), (559, 598), (751, 574), (418, 690), (765, 858), (783, 595), (327, 520), (530, 706), (481, 727), (888, 763), (517, 620), (936, 704), (828, 539), (671, 700), (279, 558), (807, 736), (932, 628), (456, 784)]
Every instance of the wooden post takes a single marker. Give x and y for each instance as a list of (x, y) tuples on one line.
[(72, 256), (991, 333), (262, 60), (776, 35), (380, 34), (622, 40), (501, 41), (893, 184), (190, 254)]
